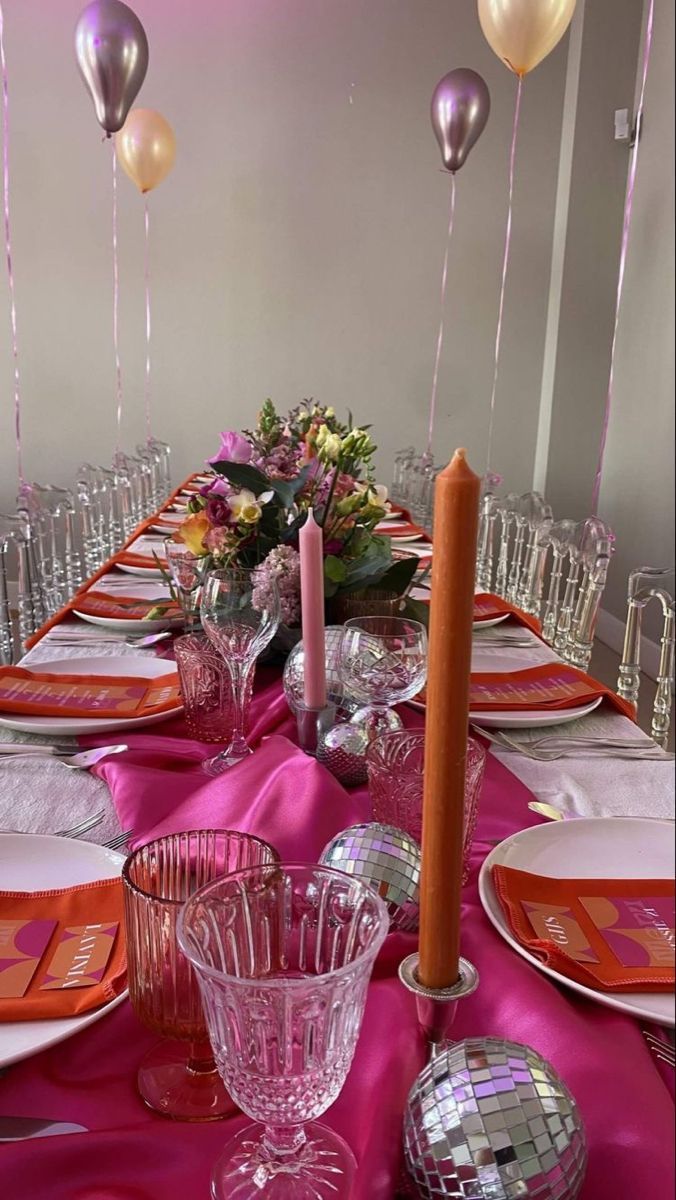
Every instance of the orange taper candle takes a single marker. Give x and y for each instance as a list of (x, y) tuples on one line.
[(456, 517)]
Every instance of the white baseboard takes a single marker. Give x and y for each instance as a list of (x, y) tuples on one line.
[(610, 631)]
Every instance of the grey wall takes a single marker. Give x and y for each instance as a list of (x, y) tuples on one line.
[(637, 497), (638, 488), (298, 244)]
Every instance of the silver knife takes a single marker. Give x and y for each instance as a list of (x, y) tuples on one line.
[(17, 1129)]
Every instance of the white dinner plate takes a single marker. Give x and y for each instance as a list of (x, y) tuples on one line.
[(587, 848), (146, 572), (530, 719), (486, 624), (131, 624), (143, 668), (30, 861), (402, 538)]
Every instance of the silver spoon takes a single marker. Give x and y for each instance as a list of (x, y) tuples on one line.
[(79, 762)]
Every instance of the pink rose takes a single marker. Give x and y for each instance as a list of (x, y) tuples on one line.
[(233, 448), (217, 487)]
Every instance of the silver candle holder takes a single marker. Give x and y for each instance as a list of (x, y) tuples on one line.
[(436, 1007)]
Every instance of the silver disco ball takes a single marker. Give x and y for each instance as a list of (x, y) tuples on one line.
[(293, 676), (488, 1119), (386, 858), (342, 750)]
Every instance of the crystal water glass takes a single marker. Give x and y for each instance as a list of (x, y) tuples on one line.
[(240, 625), (178, 1077), (283, 956), (395, 763), (383, 660), (186, 570), (206, 690)]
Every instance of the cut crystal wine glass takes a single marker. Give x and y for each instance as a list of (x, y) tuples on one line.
[(383, 660), (240, 625), (186, 570), (283, 956), (178, 1077)]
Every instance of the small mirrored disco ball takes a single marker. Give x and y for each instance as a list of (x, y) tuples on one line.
[(488, 1119), (386, 858), (293, 677)]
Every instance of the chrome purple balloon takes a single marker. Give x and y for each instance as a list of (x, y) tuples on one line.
[(460, 107), (111, 48)]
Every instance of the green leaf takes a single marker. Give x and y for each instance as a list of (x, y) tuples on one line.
[(243, 475), (398, 577), (335, 569), (417, 610)]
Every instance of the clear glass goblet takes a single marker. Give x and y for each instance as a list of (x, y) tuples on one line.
[(383, 661), (178, 1076), (240, 621), (283, 956), (186, 571)]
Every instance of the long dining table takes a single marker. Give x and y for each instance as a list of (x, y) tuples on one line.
[(625, 1096)]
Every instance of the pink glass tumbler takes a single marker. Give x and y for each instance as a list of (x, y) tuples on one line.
[(395, 771), (178, 1077)]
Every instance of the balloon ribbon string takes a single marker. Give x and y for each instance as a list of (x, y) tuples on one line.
[(626, 226), (146, 279), (116, 309), (8, 249), (440, 338), (505, 265)]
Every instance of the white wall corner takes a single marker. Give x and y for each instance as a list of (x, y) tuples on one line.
[(541, 460), (610, 631)]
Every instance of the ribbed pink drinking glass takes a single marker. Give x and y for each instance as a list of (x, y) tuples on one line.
[(177, 1078), (395, 763), (283, 956)]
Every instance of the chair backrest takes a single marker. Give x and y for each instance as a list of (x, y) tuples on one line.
[(17, 543), (641, 591), (50, 513)]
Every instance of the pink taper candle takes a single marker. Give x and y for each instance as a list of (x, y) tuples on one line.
[(311, 540)]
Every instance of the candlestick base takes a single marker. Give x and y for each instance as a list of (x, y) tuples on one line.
[(312, 723), (437, 1006)]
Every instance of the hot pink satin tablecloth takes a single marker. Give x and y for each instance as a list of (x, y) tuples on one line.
[(285, 797)]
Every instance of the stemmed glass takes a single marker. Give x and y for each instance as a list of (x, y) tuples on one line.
[(185, 569), (383, 660), (283, 957), (240, 624)]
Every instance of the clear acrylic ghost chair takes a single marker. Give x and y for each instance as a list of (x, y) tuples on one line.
[(133, 481), (401, 460), (100, 497), (153, 459), (589, 553), (507, 509), (51, 512), (163, 449), (16, 533), (6, 626), (531, 587), (488, 512), (580, 643), (642, 589), (559, 538)]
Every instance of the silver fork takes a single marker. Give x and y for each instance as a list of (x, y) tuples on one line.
[(661, 1049), (119, 842), (570, 748)]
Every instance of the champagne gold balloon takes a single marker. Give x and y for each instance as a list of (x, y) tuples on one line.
[(146, 148), (522, 32)]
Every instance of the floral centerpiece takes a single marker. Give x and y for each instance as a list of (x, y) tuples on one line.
[(266, 480)]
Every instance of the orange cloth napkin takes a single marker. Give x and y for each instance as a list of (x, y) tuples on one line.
[(487, 607), (615, 935), (550, 687), (121, 608), (39, 693), (62, 952)]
